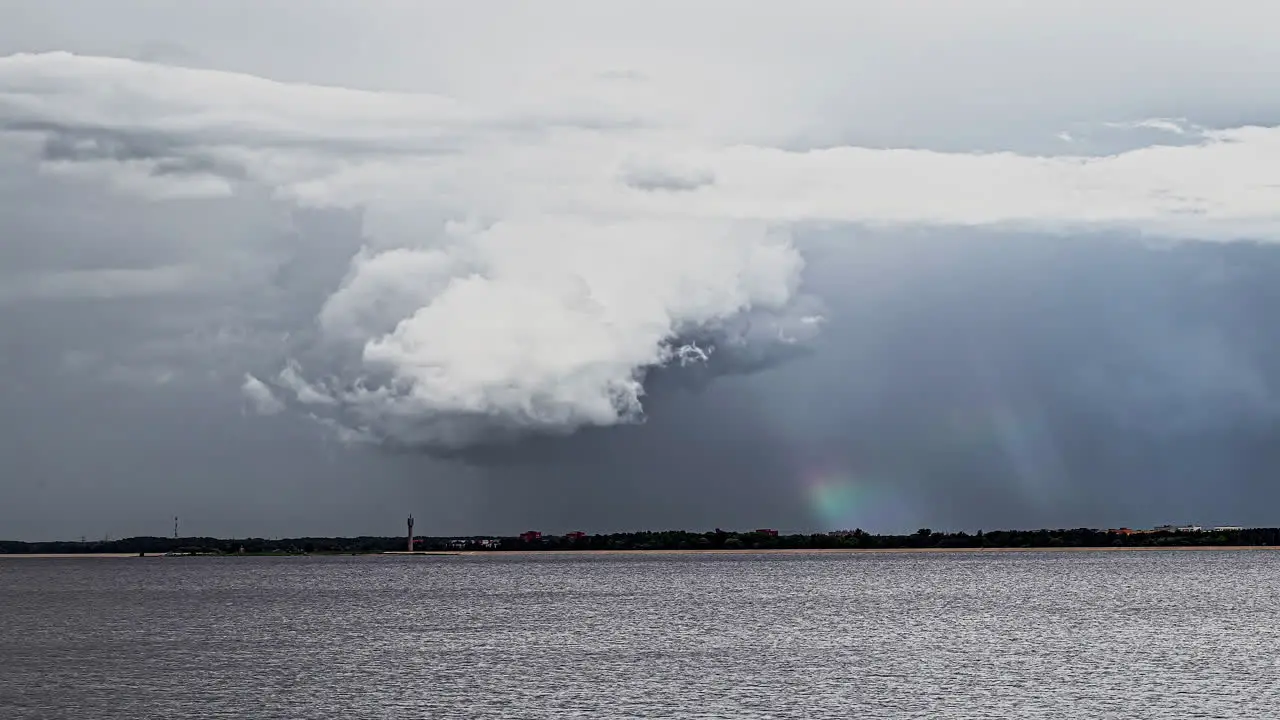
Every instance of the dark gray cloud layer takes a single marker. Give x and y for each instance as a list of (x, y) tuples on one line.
[(972, 381), (1060, 380), (965, 380)]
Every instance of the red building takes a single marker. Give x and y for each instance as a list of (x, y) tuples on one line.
[(530, 536), (767, 531), (575, 535)]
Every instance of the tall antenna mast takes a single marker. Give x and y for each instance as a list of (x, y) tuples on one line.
[(175, 527)]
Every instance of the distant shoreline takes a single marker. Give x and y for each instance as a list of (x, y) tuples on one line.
[(674, 541), (858, 551), (707, 551)]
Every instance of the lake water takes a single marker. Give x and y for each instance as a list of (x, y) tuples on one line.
[(964, 635)]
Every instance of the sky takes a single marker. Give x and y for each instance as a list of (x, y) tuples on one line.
[(636, 265)]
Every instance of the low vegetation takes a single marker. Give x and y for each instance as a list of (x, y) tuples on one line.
[(663, 540)]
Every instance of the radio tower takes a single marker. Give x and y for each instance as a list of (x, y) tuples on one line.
[(175, 527), (410, 533)]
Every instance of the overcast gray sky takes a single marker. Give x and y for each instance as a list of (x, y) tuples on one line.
[(636, 265)]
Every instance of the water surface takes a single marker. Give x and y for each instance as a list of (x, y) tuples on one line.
[(954, 635)]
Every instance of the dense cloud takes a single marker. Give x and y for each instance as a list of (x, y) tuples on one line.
[(449, 334), (520, 312), (851, 264)]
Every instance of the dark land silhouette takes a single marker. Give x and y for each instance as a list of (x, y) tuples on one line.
[(923, 539)]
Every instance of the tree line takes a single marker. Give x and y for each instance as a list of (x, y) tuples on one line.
[(663, 540)]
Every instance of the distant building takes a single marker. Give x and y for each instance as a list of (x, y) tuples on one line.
[(1178, 528), (530, 536), (767, 531), (1121, 531), (1227, 528), (575, 535)]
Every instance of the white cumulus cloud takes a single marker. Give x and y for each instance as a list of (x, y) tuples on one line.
[(528, 264), (260, 397)]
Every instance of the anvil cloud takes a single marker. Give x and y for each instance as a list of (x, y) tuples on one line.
[(806, 265), (525, 267)]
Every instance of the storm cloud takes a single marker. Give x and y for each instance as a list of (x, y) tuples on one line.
[(588, 286)]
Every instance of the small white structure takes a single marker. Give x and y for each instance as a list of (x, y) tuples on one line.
[(1227, 528)]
